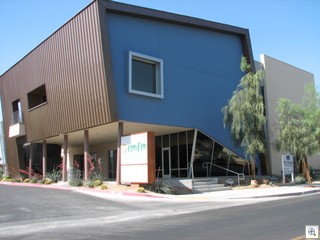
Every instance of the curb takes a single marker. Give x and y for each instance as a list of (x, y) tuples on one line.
[(289, 194), (84, 190), (37, 185), (131, 193)]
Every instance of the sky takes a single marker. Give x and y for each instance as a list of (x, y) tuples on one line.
[(288, 30)]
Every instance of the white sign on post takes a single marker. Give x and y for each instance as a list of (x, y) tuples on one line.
[(287, 166), (137, 158)]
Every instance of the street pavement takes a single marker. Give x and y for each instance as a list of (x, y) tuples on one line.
[(29, 212)]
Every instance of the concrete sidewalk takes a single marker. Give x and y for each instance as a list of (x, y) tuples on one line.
[(259, 192), (240, 194), (235, 194)]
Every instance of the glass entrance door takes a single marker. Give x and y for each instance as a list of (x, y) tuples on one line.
[(166, 163)]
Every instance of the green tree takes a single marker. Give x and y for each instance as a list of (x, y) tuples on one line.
[(244, 113), (299, 128)]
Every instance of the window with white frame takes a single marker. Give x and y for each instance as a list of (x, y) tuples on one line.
[(145, 75)]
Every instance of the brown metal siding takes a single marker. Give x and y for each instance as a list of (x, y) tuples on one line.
[(71, 65)]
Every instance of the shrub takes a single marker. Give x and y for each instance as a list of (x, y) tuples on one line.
[(55, 175), (33, 180), (89, 184), (48, 181), (300, 179), (97, 183), (76, 182), (141, 190), (7, 179), (27, 180), (103, 186), (160, 187)]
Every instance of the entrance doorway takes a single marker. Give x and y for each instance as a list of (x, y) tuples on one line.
[(166, 162)]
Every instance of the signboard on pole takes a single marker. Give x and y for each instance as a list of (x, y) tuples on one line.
[(287, 166)]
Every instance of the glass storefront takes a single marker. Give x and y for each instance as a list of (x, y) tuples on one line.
[(174, 152), (175, 148)]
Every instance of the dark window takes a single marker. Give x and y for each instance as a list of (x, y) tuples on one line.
[(16, 112), (158, 157), (174, 150), (183, 152), (37, 97), (112, 164), (145, 75)]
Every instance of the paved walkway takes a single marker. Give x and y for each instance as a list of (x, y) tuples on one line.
[(261, 192), (241, 194)]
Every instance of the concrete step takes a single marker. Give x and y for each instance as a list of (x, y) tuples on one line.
[(202, 185), (211, 188), (206, 180)]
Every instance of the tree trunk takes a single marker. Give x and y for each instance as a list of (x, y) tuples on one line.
[(306, 171), (253, 168)]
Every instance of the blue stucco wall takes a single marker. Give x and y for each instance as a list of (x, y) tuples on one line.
[(201, 70)]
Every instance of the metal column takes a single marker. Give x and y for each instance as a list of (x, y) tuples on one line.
[(86, 154), (44, 159), (64, 159), (120, 134)]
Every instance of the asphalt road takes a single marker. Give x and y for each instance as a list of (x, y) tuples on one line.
[(37, 213)]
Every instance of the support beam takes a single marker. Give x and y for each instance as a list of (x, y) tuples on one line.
[(86, 154), (120, 134), (64, 158), (30, 160), (191, 173), (44, 159)]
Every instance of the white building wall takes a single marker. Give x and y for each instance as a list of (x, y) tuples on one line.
[(282, 81)]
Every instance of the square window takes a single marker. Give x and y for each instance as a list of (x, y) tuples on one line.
[(145, 75)]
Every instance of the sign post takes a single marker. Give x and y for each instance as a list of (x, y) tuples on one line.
[(287, 167)]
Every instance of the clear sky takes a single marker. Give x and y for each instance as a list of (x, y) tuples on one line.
[(288, 30)]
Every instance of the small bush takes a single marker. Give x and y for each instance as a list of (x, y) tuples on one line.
[(18, 180), (55, 175), (27, 180), (33, 180), (141, 190), (7, 179), (48, 181), (97, 183), (76, 182), (300, 179), (160, 187), (89, 184), (103, 186)]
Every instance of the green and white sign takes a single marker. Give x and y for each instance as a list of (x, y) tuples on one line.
[(135, 158)]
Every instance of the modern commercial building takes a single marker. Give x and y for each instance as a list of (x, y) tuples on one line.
[(118, 70), (281, 81)]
